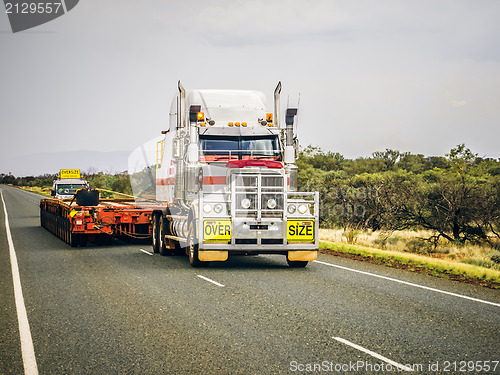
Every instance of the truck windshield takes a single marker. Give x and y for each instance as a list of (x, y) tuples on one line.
[(68, 189), (224, 148)]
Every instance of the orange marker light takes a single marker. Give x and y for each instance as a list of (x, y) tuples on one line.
[(200, 116)]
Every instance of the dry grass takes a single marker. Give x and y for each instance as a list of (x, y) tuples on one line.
[(38, 190), (412, 242), (414, 262)]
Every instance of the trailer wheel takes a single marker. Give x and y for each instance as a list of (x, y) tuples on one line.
[(68, 232), (74, 239), (65, 230), (62, 229), (156, 234), (82, 241), (192, 247), (165, 244), (297, 263)]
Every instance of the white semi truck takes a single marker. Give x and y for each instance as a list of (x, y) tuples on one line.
[(226, 181)]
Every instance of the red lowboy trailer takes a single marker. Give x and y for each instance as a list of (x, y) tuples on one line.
[(76, 224)]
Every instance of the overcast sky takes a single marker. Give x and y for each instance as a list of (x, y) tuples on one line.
[(418, 76)]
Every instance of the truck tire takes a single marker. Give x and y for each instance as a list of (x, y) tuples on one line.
[(57, 227), (192, 247), (156, 233), (82, 241), (68, 231), (297, 263), (65, 230), (61, 228), (74, 239), (165, 245)]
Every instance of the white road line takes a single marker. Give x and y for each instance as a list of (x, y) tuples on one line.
[(146, 252), (411, 284), (210, 280), (373, 354), (27, 348), (19, 193)]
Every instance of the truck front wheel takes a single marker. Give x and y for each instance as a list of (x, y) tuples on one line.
[(192, 247), (297, 263)]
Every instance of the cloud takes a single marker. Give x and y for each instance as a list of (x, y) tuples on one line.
[(372, 75), (458, 103)]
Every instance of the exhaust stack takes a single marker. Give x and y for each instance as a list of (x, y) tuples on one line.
[(181, 107), (179, 145), (277, 93)]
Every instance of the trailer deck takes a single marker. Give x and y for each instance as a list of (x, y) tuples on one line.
[(75, 225)]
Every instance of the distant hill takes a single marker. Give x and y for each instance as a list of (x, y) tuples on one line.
[(52, 162)]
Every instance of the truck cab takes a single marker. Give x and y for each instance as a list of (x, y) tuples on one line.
[(67, 184), (227, 176)]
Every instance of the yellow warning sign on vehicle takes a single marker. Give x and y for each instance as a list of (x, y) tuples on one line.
[(69, 173), (300, 231), (217, 231)]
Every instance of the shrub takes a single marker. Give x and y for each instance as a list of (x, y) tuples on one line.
[(495, 257), (418, 246), (351, 235), (481, 263)]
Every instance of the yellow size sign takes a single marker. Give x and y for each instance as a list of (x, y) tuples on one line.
[(300, 231), (69, 173), (217, 231)]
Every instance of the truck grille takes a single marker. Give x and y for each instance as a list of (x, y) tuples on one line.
[(258, 195)]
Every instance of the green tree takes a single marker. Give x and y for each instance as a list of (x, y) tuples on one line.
[(388, 157), (454, 203)]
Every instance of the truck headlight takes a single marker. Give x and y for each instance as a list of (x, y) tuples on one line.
[(218, 208), (207, 208), (291, 209), (271, 203), (245, 203), (302, 208)]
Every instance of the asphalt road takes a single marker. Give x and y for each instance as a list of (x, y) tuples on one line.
[(121, 310)]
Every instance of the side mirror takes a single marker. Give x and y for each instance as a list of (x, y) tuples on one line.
[(53, 192)]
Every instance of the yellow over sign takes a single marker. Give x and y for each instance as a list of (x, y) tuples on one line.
[(217, 231), (69, 173)]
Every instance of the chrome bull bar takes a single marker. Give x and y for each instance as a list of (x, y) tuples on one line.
[(258, 227)]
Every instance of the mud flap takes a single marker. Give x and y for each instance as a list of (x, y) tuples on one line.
[(302, 255), (209, 256)]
